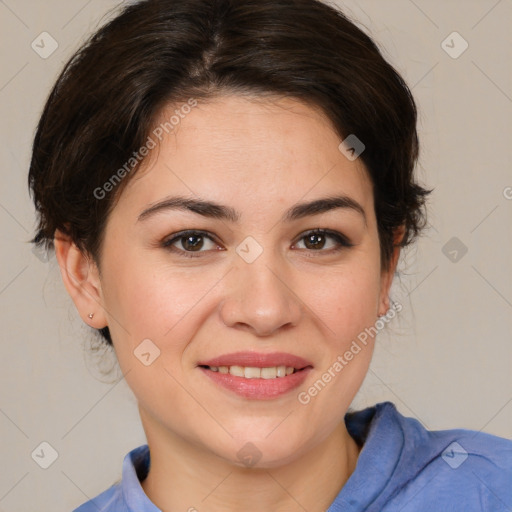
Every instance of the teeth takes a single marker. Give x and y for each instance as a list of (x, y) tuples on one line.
[(251, 372), (237, 371), (268, 373)]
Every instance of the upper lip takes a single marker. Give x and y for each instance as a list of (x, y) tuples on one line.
[(257, 360)]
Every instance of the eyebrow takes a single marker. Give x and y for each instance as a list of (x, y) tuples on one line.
[(214, 210)]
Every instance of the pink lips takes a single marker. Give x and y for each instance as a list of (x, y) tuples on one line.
[(258, 389), (257, 360)]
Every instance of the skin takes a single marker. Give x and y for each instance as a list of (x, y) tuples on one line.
[(260, 157)]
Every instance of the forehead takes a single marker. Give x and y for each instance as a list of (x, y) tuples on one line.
[(248, 151)]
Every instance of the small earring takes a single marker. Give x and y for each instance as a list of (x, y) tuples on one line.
[(91, 315)]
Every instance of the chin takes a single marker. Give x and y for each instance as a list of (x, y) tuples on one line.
[(257, 450)]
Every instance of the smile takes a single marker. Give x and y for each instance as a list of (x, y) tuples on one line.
[(253, 372)]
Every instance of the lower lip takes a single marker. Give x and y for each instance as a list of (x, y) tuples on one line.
[(258, 389)]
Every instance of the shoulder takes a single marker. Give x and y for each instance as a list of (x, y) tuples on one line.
[(455, 469), (456, 446)]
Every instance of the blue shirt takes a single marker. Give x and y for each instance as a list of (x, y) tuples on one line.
[(401, 467)]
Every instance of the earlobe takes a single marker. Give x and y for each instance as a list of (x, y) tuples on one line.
[(81, 279)]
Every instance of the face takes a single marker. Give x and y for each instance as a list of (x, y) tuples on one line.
[(249, 273)]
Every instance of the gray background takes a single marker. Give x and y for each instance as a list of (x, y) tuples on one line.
[(446, 360)]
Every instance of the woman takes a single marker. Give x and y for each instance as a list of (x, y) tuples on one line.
[(227, 186)]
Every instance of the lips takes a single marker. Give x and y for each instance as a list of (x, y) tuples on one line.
[(257, 360), (257, 376)]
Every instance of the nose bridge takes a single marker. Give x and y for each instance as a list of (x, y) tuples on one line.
[(258, 296)]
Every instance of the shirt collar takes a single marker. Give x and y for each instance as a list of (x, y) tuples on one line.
[(135, 470), (380, 429)]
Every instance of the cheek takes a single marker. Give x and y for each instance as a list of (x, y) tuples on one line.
[(346, 300), (156, 303), (347, 308)]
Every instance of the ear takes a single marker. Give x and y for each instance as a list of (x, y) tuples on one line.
[(81, 278), (387, 275)]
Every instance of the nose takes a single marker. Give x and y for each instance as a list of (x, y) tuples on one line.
[(259, 297)]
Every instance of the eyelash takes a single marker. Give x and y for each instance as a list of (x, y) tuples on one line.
[(343, 242)]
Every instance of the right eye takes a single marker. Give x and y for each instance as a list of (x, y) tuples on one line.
[(191, 242)]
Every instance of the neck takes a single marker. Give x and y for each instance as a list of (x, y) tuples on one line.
[(185, 477)]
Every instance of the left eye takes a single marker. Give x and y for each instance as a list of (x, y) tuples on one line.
[(316, 239)]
